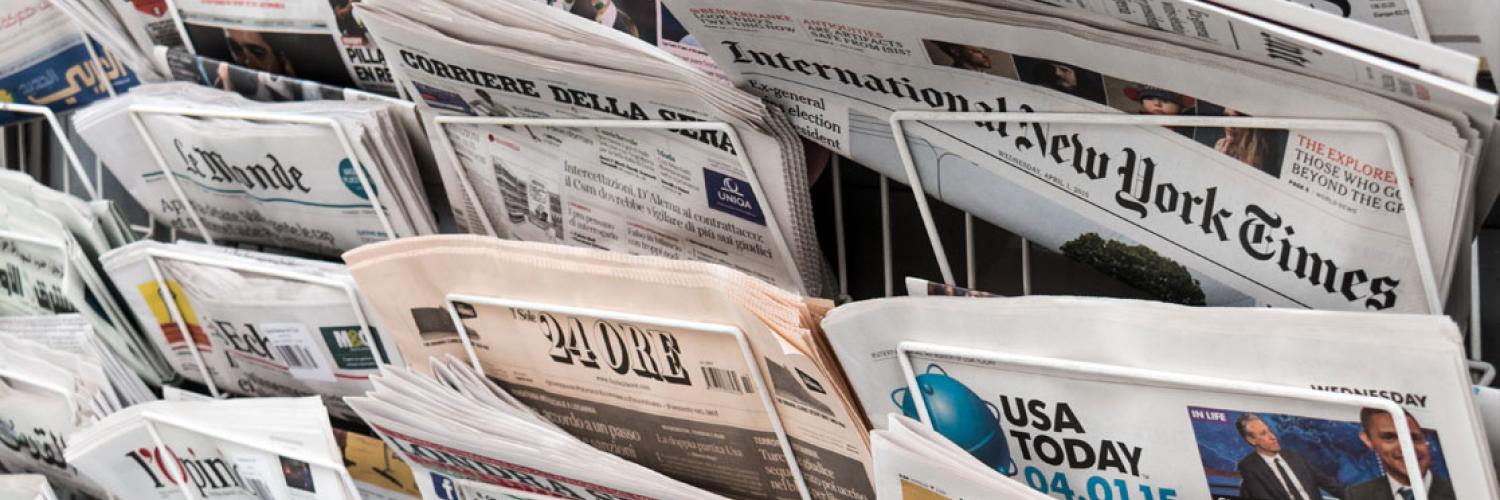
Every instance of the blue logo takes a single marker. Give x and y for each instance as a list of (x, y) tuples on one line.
[(444, 487), (732, 196), (351, 179), (960, 415)]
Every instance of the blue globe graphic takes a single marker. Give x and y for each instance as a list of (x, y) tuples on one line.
[(960, 415)]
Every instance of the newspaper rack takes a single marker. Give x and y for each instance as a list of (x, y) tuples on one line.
[(1393, 144), (155, 255), (761, 386), (138, 111), (1102, 371), (442, 122), (180, 477)]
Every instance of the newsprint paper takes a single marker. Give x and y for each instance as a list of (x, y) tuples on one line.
[(637, 356), (1096, 435), (1223, 214)]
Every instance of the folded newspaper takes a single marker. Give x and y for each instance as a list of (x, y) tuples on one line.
[(1077, 395), (262, 448), (1218, 208), (47, 61), (315, 40), (54, 380), (49, 244), (736, 196), (466, 437), (695, 370), (261, 324), (304, 176)]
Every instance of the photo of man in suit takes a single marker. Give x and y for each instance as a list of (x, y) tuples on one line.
[(1379, 432), (1271, 473)]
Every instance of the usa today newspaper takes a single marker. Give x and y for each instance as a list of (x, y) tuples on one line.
[(999, 377)]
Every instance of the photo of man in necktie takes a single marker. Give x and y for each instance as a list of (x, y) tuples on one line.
[(1379, 432), (1269, 472)]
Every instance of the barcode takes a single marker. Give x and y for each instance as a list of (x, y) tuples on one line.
[(727, 380), (297, 356), (258, 489)]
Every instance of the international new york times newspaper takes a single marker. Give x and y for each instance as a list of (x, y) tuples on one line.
[(1224, 215)]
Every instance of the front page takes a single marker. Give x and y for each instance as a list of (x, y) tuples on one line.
[(1208, 207), (45, 61), (314, 40)]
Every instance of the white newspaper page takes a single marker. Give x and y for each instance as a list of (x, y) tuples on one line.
[(1152, 430), (1207, 208)]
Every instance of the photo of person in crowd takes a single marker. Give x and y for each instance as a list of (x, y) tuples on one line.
[(1062, 77), (971, 58), (251, 50), (605, 12), (1262, 148), (1145, 99), (1270, 472), (1379, 431)]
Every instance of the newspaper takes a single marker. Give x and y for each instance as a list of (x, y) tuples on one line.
[(264, 325), (467, 438), (1111, 194), (291, 184), (46, 394), (263, 448), (913, 462), (49, 243), (691, 194), (645, 362), (46, 62), (314, 40), (1062, 430), (128, 29), (72, 334)]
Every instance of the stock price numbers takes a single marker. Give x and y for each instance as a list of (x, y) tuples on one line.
[(1094, 488)]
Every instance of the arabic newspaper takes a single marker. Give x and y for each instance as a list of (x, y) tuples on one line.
[(45, 62)]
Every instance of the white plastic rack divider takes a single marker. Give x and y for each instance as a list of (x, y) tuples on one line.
[(443, 122), (1021, 362), (137, 112), (153, 419), (1393, 144), (154, 256), (761, 386)]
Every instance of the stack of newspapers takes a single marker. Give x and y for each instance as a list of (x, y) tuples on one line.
[(49, 248), (1199, 153), (729, 188), (55, 379), (318, 40), (1087, 396), (261, 448), (503, 446), (914, 462), (260, 324), (694, 370), (317, 177)]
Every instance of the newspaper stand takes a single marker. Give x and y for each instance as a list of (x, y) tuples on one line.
[(138, 111), (1393, 144), (1099, 371), (154, 420), (443, 122), (761, 386), (154, 257)]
